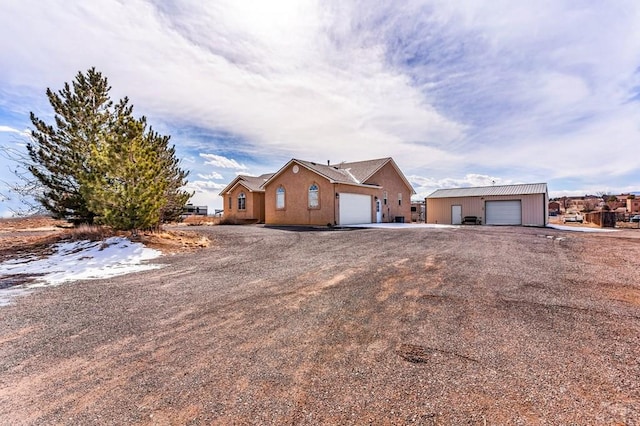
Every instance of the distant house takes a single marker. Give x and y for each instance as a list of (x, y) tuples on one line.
[(243, 198), (418, 209), (191, 210), (633, 205), (525, 204)]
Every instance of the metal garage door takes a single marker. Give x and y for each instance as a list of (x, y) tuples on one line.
[(354, 208), (504, 212)]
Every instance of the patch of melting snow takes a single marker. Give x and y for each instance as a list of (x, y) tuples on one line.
[(79, 260), (580, 228)]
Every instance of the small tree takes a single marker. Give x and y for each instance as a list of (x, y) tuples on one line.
[(612, 202), (589, 205)]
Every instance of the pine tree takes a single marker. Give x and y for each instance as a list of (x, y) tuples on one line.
[(138, 176), (99, 162), (59, 153)]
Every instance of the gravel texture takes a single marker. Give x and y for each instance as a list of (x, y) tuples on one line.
[(478, 325)]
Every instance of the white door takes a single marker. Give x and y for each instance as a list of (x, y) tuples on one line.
[(503, 212), (354, 209), (379, 211), (456, 215)]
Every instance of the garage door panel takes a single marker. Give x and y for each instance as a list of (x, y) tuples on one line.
[(508, 212), (354, 209)]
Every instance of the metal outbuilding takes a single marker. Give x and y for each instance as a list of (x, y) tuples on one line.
[(524, 204)]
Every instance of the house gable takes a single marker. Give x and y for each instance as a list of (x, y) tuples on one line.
[(296, 179), (250, 187), (382, 174)]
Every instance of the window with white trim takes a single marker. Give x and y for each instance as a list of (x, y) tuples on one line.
[(242, 201), (384, 197), (314, 201), (399, 198), (280, 198)]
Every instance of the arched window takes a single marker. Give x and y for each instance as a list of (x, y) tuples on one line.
[(242, 201), (314, 201), (280, 198)]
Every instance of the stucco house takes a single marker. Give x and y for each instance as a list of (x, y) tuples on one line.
[(308, 193), (243, 198), (525, 204)]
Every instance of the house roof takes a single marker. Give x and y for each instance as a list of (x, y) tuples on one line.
[(354, 173), (252, 183), (485, 191)]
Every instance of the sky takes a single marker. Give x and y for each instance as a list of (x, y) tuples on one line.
[(77, 260), (459, 93)]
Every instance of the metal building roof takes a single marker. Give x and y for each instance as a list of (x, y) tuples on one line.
[(486, 191)]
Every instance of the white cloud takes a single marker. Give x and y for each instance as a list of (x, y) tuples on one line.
[(426, 185), (223, 162), (8, 129), (212, 175), (201, 185)]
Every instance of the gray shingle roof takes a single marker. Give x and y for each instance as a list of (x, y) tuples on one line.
[(355, 173), (253, 183), (333, 173), (486, 191), (363, 170)]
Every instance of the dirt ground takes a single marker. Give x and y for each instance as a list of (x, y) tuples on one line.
[(478, 325)]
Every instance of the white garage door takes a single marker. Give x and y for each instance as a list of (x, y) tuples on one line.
[(504, 212), (354, 208)]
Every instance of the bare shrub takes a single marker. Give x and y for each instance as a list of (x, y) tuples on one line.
[(229, 220), (89, 232)]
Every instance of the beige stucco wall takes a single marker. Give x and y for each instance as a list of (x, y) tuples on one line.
[(254, 205), (534, 208), (297, 211), (633, 205), (393, 185)]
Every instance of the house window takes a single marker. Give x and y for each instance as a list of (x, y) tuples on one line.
[(313, 196), (230, 203), (399, 198), (280, 198), (384, 197), (242, 201)]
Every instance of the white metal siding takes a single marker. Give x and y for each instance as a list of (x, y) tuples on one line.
[(456, 214), (504, 212), (354, 208)]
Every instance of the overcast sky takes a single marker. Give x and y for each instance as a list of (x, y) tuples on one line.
[(459, 93)]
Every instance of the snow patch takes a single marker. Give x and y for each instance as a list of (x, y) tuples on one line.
[(78, 260), (580, 228)]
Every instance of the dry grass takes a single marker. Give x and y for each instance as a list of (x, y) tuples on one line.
[(173, 241), (35, 235), (201, 220)]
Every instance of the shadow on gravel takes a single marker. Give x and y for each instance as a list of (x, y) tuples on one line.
[(295, 228)]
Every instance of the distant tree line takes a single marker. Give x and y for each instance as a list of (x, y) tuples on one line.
[(97, 163)]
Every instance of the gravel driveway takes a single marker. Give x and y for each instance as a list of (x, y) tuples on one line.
[(478, 325)]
